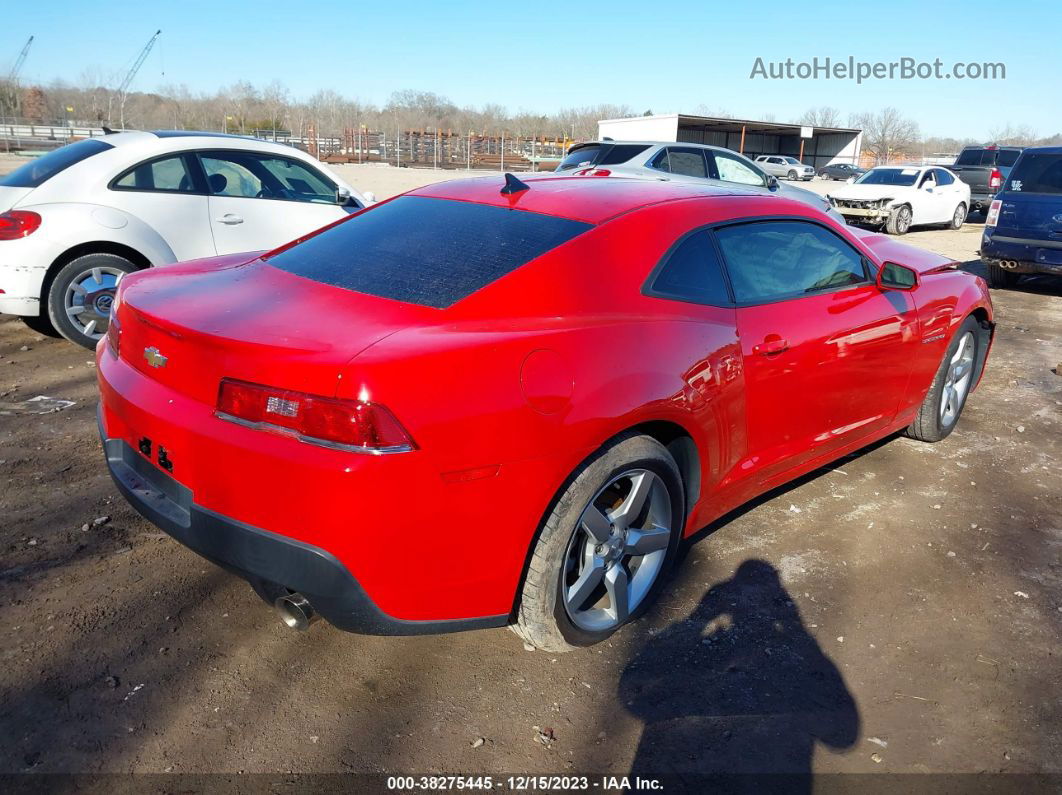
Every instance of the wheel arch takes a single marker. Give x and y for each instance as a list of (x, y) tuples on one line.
[(678, 441), (93, 247)]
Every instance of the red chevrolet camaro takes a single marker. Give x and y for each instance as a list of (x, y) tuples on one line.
[(494, 402)]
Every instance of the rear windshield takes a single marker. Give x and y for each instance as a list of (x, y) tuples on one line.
[(1037, 173), (987, 157), (34, 173), (431, 252), (600, 155)]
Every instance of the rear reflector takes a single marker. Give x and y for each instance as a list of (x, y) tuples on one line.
[(17, 224), (993, 212), (355, 425)]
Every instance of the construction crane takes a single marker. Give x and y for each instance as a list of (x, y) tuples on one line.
[(132, 73), (19, 61)]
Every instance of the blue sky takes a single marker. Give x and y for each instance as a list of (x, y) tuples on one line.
[(667, 57)]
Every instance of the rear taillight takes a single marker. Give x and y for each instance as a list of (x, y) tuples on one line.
[(16, 224), (993, 212), (355, 425), (593, 172), (114, 336), (995, 181)]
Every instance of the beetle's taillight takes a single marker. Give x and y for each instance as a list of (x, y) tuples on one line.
[(993, 212), (356, 425), (995, 180), (17, 224)]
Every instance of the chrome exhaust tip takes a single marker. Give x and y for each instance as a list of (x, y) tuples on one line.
[(295, 611)]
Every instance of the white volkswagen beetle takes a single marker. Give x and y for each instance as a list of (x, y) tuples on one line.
[(73, 221), (899, 197)]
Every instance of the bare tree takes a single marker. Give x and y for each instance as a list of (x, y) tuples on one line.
[(824, 116), (887, 133), (276, 100), (1019, 135)]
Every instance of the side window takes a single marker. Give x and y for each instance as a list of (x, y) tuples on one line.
[(769, 260), (943, 177), (692, 273), (296, 182), (165, 174), (732, 168), (676, 160), (927, 179), (231, 175)]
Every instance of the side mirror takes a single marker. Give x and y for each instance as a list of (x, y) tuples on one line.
[(342, 195), (850, 180), (772, 182), (370, 197), (894, 276)]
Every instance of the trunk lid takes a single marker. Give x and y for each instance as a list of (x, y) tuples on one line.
[(9, 197), (188, 326)]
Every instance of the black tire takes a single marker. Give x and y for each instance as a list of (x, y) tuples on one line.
[(41, 324), (77, 270), (899, 220), (928, 425), (1000, 279), (791, 176), (958, 218), (542, 619)]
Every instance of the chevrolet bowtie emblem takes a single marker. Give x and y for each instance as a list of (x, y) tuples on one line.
[(154, 358)]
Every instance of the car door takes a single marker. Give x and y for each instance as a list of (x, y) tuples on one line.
[(261, 201), (951, 191), (167, 195), (825, 353)]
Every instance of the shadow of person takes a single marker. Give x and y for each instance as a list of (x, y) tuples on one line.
[(737, 688)]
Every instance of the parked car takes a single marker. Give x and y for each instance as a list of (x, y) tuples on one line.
[(786, 167), (73, 221), (695, 163), (515, 398), (1023, 230), (899, 197), (984, 169), (841, 171)]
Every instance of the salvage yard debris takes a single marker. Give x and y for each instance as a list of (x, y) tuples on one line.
[(35, 405)]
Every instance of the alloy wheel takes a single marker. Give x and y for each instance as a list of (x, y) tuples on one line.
[(89, 298), (903, 220), (617, 550), (957, 380)]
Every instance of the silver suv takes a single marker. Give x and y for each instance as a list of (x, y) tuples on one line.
[(785, 166), (685, 163)]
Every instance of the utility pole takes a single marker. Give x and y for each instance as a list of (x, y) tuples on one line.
[(124, 88)]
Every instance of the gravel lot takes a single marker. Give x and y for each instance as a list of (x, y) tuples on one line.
[(898, 612)]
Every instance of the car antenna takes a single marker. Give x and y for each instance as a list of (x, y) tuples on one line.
[(107, 130), (513, 185)]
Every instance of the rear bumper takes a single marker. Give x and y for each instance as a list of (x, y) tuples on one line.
[(263, 558), (1022, 255)]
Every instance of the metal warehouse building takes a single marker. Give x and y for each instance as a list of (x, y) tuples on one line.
[(816, 146)]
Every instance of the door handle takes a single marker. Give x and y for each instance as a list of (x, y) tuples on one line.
[(767, 347), (230, 219)]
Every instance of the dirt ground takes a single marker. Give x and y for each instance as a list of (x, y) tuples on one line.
[(900, 611)]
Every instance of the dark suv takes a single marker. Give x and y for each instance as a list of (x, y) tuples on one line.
[(1023, 231)]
